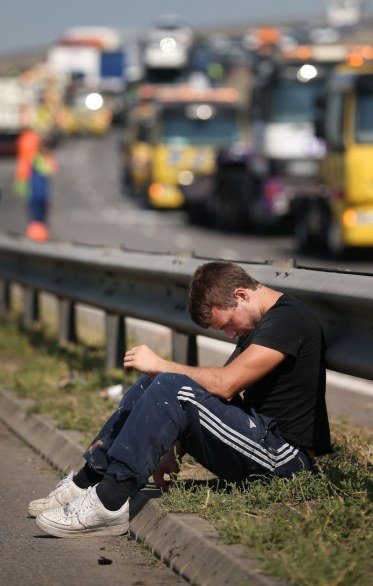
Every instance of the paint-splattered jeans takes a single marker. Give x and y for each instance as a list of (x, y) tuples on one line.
[(219, 434)]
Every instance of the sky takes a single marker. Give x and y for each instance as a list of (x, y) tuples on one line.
[(35, 24)]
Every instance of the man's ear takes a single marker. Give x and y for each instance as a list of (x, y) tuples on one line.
[(241, 293)]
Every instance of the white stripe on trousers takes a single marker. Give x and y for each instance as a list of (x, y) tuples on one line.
[(239, 442)]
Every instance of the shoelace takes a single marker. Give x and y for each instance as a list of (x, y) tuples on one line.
[(76, 504), (64, 481)]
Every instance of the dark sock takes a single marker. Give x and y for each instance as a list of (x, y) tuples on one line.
[(87, 476), (113, 493)]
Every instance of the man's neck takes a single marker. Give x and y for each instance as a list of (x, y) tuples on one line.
[(268, 298)]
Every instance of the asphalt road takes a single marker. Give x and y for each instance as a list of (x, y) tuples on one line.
[(29, 557)]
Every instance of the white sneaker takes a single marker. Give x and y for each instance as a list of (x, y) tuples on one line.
[(84, 516), (65, 491)]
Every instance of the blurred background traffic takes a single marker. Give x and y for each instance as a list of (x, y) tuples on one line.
[(251, 142)]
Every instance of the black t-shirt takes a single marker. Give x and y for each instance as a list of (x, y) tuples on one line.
[(293, 393)]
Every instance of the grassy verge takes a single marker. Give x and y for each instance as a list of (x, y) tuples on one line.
[(64, 382), (315, 529)]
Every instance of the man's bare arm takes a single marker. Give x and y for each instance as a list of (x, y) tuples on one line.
[(223, 381)]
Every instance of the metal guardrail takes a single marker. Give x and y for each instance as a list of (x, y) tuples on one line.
[(153, 287)]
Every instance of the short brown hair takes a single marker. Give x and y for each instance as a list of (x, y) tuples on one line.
[(213, 285)]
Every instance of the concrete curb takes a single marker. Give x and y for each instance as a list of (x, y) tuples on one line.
[(56, 447), (186, 543)]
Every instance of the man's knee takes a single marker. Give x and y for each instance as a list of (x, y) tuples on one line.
[(171, 379), (168, 385)]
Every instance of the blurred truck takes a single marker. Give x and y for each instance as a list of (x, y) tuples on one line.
[(89, 54), (30, 101), (48, 91), (95, 58), (254, 187), (167, 44), (174, 136), (340, 215), (85, 112), (283, 111), (19, 106)]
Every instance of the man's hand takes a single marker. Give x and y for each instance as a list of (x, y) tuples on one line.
[(169, 464), (143, 359)]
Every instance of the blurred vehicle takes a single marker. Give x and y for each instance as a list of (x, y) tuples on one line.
[(85, 112), (96, 57), (174, 22), (164, 52), (340, 215), (283, 114), (204, 58), (82, 51), (136, 147), (343, 13), (283, 111), (49, 90), (229, 50), (178, 138), (116, 102), (13, 114), (75, 62), (18, 102), (262, 41), (222, 199), (326, 34), (167, 44)]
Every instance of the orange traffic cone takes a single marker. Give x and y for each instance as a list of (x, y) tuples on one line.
[(37, 231)]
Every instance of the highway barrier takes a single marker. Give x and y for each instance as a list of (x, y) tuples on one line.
[(153, 287)]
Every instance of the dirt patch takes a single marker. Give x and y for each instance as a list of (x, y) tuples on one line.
[(194, 471), (10, 365)]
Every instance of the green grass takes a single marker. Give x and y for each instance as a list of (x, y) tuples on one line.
[(313, 530), (63, 381)]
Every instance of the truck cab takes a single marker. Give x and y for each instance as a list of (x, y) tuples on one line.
[(341, 217), (283, 113), (284, 157), (180, 140)]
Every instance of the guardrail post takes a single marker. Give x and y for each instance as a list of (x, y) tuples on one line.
[(67, 321), (31, 311), (115, 332), (4, 297), (184, 348)]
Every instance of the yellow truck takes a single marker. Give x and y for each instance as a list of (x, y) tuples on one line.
[(173, 134), (339, 216), (85, 112)]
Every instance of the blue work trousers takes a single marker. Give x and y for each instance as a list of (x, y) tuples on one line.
[(38, 210), (219, 434)]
